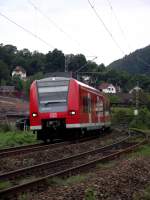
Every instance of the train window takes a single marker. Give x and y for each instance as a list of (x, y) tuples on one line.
[(86, 104), (89, 104), (99, 106), (53, 97)]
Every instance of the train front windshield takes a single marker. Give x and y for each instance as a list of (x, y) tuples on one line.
[(53, 96)]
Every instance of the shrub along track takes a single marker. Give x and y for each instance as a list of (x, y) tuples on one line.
[(39, 174)]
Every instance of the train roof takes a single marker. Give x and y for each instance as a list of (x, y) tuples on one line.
[(67, 79), (54, 79)]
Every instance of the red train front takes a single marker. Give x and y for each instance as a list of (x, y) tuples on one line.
[(60, 107)]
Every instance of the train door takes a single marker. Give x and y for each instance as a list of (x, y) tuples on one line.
[(89, 108), (100, 110)]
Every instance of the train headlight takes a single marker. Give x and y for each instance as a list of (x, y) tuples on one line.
[(34, 114), (72, 112)]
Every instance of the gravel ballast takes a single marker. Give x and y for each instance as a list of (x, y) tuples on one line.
[(119, 182)]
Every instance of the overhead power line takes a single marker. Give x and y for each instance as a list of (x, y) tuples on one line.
[(104, 25), (50, 20), (26, 30), (123, 34), (118, 23)]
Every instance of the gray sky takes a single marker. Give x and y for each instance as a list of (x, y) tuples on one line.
[(73, 27)]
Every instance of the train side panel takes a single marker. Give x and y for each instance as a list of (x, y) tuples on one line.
[(73, 117), (35, 119)]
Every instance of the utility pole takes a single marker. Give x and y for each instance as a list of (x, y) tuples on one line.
[(66, 64), (82, 68), (67, 61), (136, 111)]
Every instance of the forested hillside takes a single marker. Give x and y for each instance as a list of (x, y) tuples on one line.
[(38, 64), (137, 62)]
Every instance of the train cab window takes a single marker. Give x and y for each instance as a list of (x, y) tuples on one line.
[(53, 96)]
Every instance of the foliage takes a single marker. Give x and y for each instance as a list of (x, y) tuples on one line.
[(68, 181), (35, 63), (135, 63), (4, 127), (90, 194), (114, 98), (122, 115), (142, 195), (143, 151), (5, 184), (142, 119), (10, 139), (126, 116)]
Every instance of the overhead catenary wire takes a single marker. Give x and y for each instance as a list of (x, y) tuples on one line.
[(118, 23), (123, 33), (27, 30), (106, 28), (50, 20)]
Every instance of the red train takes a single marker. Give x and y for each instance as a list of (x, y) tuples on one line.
[(60, 107)]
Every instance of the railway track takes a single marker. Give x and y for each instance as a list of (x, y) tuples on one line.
[(13, 151), (38, 175), (29, 148)]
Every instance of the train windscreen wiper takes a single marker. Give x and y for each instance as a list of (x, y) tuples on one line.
[(51, 102)]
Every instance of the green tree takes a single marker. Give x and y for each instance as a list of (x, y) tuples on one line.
[(18, 83), (76, 62), (55, 61), (4, 71)]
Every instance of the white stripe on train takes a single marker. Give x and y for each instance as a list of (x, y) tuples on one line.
[(82, 125)]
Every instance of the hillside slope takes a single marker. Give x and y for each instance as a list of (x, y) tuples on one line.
[(137, 62), (13, 105)]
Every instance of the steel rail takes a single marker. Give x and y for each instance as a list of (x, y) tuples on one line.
[(28, 148), (82, 167), (53, 164), (37, 147)]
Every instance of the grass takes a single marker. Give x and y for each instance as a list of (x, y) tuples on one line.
[(16, 138), (4, 184), (90, 194), (106, 165), (24, 196), (143, 151), (145, 131), (67, 181), (143, 195), (128, 110)]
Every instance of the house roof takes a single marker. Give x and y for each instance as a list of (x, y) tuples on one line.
[(136, 88), (104, 85), (19, 69)]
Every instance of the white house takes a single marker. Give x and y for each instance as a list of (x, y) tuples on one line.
[(108, 88), (135, 89), (20, 72)]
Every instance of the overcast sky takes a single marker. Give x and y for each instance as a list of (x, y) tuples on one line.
[(73, 27)]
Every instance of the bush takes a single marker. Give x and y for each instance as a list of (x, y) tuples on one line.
[(5, 127), (126, 116), (142, 120), (90, 194), (122, 116)]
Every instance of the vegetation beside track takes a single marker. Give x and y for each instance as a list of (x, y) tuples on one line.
[(16, 138), (143, 194), (125, 116), (67, 181)]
